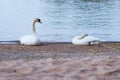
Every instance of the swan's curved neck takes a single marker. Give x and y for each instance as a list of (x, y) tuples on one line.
[(33, 27), (83, 36)]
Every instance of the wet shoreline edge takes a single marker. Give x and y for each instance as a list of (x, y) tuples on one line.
[(51, 42)]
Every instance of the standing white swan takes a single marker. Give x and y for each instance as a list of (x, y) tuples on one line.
[(86, 40), (33, 38)]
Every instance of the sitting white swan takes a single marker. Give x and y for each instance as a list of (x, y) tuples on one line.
[(31, 39), (86, 40)]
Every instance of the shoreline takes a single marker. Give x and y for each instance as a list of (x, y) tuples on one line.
[(60, 61), (57, 50), (52, 42)]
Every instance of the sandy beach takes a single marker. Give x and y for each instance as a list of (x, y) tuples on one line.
[(60, 61)]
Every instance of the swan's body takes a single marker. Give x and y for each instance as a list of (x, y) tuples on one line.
[(30, 40), (86, 40), (33, 38)]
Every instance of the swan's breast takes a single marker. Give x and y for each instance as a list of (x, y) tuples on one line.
[(77, 41), (29, 40)]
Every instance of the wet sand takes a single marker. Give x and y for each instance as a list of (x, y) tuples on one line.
[(56, 50), (60, 61)]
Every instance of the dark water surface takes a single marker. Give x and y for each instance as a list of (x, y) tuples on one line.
[(62, 19)]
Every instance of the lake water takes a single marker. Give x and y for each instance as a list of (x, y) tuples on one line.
[(62, 19)]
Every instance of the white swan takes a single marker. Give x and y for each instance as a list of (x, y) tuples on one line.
[(86, 40), (31, 39)]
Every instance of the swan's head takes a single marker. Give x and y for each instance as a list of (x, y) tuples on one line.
[(83, 36), (37, 20)]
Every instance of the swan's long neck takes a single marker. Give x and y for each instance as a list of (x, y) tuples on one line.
[(33, 27), (83, 36)]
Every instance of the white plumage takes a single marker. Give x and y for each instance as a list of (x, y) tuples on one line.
[(86, 40), (31, 39)]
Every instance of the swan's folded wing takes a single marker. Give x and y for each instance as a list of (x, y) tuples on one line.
[(29, 40)]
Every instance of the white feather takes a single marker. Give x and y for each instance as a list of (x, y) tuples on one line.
[(85, 40), (31, 39)]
